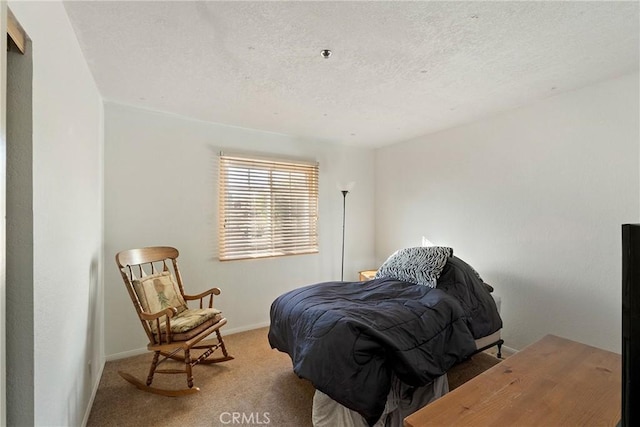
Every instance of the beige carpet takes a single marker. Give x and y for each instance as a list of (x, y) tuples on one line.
[(258, 384), (468, 369)]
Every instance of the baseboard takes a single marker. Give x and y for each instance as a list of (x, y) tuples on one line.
[(87, 411), (509, 349), (232, 331), (125, 354)]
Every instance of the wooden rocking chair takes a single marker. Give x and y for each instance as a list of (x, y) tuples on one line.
[(153, 281)]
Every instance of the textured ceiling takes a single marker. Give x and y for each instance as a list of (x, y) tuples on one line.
[(398, 69)]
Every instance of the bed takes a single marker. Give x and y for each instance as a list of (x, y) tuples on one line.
[(378, 350)]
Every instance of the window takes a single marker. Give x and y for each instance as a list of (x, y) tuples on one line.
[(267, 208)]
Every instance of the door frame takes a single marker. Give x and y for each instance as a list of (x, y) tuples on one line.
[(3, 208)]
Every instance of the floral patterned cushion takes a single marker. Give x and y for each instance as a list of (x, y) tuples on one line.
[(189, 323), (159, 291), (190, 319)]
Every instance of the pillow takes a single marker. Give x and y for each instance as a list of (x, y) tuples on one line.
[(159, 291), (420, 265)]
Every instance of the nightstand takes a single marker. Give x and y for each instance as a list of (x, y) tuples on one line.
[(367, 275)]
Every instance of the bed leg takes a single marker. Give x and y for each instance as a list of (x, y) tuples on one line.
[(499, 344)]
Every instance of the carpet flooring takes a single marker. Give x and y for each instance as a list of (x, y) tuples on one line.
[(257, 387)]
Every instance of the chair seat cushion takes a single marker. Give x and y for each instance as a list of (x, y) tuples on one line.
[(191, 322)]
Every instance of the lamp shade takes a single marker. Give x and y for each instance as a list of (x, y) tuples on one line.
[(346, 185)]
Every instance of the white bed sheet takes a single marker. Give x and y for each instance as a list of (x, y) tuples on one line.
[(402, 401)]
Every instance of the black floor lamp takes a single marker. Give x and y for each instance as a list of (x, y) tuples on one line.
[(344, 211)]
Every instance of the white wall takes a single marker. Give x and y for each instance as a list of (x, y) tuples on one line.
[(161, 189), (534, 199), (67, 218)]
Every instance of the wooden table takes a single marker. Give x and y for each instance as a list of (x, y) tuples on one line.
[(553, 382)]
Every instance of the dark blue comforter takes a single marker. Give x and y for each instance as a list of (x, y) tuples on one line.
[(348, 338)]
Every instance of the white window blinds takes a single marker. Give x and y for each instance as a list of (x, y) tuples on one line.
[(267, 208)]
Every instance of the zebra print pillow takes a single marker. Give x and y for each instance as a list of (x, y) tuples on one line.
[(421, 265)]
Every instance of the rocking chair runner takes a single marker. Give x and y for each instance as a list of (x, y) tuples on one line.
[(154, 283)]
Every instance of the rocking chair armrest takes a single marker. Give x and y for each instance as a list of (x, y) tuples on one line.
[(169, 312), (214, 291), (211, 292)]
